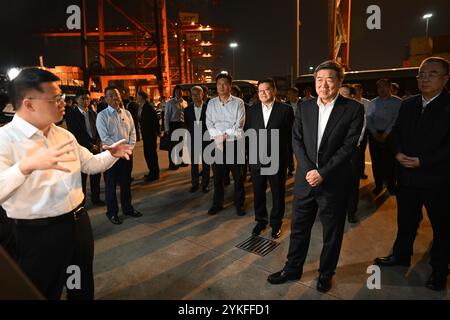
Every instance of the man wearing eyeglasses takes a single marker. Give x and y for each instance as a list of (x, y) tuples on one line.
[(81, 122), (40, 187), (421, 142)]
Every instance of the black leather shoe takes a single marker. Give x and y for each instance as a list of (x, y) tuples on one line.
[(134, 214), (364, 176), (173, 168), (240, 211), (437, 281), (205, 189), (282, 276), (150, 179), (214, 210), (276, 232), (260, 226), (391, 260), (352, 218), (324, 283), (98, 202), (193, 189), (115, 219)]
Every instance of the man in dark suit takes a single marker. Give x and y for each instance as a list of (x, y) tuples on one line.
[(325, 133), (195, 121), (81, 122), (421, 142), (269, 115), (150, 130), (134, 109)]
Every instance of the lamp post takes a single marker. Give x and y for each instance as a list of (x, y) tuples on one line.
[(427, 17), (233, 46)]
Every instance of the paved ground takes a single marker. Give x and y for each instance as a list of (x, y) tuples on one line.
[(177, 251)]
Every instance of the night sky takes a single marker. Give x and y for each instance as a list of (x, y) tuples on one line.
[(265, 31)]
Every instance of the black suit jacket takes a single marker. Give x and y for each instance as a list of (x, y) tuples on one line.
[(77, 125), (281, 118), (190, 121), (339, 140), (149, 122), (426, 136)]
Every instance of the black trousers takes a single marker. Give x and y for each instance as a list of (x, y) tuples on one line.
[(173, 125), (277, 187), (44, 253), (383, 162), (410, 201), (7, 239), (362, 153), (353, 197), (290, 158), (206, 168), (95, 185), (119, 173), (332, 216), (221, 170), (151, 156)]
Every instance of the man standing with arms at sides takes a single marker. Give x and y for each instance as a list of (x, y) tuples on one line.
[(115, 124), (363, 141), (225, 118), (270, 115), (195, 120), (150, 132), (174, 119), (325, 133), (421, 142), (40, 186), (81, 122), (381, 115)]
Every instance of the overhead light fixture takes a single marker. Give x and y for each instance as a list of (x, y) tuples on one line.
[(13, 73)]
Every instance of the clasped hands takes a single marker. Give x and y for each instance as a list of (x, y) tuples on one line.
[(407, 162), (313, 177)]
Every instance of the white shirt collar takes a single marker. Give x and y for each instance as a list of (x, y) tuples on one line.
[(228, 100), (426, 102), (81, 110), (331, 104), (268, 106), (24, 126)]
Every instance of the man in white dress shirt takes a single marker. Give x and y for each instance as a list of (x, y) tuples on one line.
[(40, 187), (225, 118)]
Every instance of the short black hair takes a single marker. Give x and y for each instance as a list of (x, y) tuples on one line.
[(385, 81), (177, 87), (445, 64), (331, 65), (269, 81), (142, 94), (224, 76), (108, 88), (82, 92), (27, 80)]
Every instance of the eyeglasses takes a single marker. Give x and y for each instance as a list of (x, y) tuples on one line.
[(429, 75), (57, 100), (266, 91)]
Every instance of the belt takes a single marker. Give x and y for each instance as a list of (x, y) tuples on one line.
[(73, 215)]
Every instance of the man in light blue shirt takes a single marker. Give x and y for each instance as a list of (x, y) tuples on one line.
[(381, 116), (114, 124)]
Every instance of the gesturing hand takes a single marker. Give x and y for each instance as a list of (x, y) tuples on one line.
[(120, 149), (48, 158)]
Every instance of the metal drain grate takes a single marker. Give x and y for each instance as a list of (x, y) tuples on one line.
[(258, 245)]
